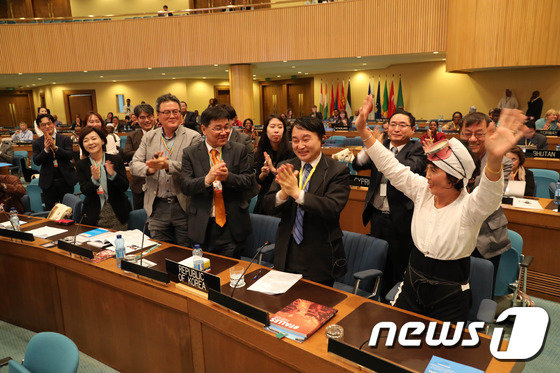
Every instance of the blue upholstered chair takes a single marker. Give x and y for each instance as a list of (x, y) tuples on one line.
[(19, 155), (335, 141), (48, 353), (483, 308), (264, 229), (353, 141), (551, 189), (137, 219), (366, 257), (35, 202), (508, 269), (75, 203), (252, 204), (542, 180)]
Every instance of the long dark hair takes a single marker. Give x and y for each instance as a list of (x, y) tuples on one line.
[(264, 141)]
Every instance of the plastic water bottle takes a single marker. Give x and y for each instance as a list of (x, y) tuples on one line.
[(557, 147), (119, 249), (557, 196), (14, 219), (198, 263)]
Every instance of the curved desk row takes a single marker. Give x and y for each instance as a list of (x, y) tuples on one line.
[(137, 325)]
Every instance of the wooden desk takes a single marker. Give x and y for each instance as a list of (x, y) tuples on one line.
[(552, 142), (137, 325), (540, 230), (545, 163)]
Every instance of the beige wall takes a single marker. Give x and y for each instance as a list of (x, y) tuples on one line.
[(83, 8), (429, 91), (195, 92)]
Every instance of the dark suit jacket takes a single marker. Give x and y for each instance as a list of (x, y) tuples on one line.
[(322, 252), (116, 191), (534, 108), (319, 115), (245, 140), (63, 154), (401, 207), (529, 183), (133, 141), (190, 121), (539, 140), (195, 167)]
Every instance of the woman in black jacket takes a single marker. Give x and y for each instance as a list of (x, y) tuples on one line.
[(519, 172), (103, 182), (273, 148)]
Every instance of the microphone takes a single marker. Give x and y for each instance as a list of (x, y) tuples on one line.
[(78, 227), (142, 244), (251, 262)]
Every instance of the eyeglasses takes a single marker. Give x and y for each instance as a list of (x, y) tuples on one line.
[(220, 129), (169, 112), (478, 135), (401, 125)]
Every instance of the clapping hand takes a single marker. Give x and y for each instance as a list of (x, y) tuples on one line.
[(427, 144), (268, 163), (218, 172), (110, 168), (287, 178), (363, 112), (158, 162), (95, 172)]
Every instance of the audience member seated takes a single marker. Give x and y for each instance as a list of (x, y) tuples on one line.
[(23, 134), (335, 116), (534, 106), (76, 122), (165, 12), (113, 142), (532, 139), (11, 192), (290, 114), (343, 120), (273, 148), (103, 182), (216, 174), (432, 133), (95, 120), (248, 129), (309, 193), (109, 118), (455, 124), (6, 151), (53, 153), (520, 173), (549, 122), (145, 114), (57, 123)]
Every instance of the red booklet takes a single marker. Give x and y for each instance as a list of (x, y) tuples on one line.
[(300, 319)]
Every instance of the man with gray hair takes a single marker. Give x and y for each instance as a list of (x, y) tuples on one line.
[(159, 160)]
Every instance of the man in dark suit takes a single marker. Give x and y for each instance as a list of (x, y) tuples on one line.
[(532, 138), (389, 210), (315, 113), (309, 194), (53, 152), (216, 175), (189, 118), (145, 115)]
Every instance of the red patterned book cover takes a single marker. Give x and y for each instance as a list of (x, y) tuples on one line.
[(301, 318)]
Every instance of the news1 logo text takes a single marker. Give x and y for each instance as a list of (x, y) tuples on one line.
[(526, 340)]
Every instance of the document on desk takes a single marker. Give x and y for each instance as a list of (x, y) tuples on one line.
[(46, 232), (132, 240), (8, 224), (526, 203), (275, 282)]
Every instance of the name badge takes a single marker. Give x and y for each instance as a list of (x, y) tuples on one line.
[(100, 190), (55, 163), (383, 189)]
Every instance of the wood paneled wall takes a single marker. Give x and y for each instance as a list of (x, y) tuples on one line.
[(486, 34), (332, 30)]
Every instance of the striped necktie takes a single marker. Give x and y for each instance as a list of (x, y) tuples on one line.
[(298, 225)]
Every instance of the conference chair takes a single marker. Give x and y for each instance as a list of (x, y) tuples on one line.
[(35, 201), (264, 229), (137, 219), (75, 203), (128, 193), (542, 179), (123, 141), (26, 205), (353, 141), (19, 157), (335, 141), (483, 308), (48, 352), (252, 204), (551, 189), (512, 271), (366, 257), (35, 167)]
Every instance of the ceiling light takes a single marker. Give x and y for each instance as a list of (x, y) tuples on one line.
[(293, 67), (254, 75), (278, 76), (216, 64), (174, 78), (39, 78), (436, 52), (203, 77), (53, 82), (32, 84), (299, 72), (27, 86), (358, 56), (443, 59), (285, 61), (91, 15), (162, 73), (101, 76), (22, 18), (149, 68), (355, 69), (227, 71), (364, 64), (306, 73), (114, 81), (20, 73), (85, 71)]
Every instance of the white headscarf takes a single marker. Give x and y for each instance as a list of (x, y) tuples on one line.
[(455, 160)]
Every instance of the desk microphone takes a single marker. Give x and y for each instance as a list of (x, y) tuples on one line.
[(251, 262), (78, 227), (142, 244)]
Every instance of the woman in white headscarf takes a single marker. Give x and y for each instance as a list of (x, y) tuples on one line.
[(508, 101), (446, 219)]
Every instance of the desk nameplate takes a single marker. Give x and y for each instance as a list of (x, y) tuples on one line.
[(19, 235), (145, 271), (535, 153), (191, 277), (549, 132), (75, 249), (359, 181)]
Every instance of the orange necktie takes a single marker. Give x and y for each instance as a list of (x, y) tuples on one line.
[(219, 207)]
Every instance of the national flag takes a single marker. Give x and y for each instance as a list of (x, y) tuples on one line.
[(385, 107), (378, 114), (321, 105), (348, 105), (371, 115), (336, 106), (326, 112), (392, 108), (400, 100), (342, 101), (332, 105)]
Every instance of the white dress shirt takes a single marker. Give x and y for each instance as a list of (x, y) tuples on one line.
[(447, 233), (301, 196)]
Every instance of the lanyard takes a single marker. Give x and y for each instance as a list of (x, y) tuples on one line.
[(97, 165), (515, 174), (169, 150), (302, 187)]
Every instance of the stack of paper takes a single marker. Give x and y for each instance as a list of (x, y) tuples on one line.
[(527, 203), (275, 282), (8, 224), (46, 232), (132, 240)]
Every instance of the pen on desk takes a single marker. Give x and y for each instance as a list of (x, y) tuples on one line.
[(258, 274)]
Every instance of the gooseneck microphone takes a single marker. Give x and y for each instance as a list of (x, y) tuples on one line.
[(251, 262), (78, 227), (142, 244)]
